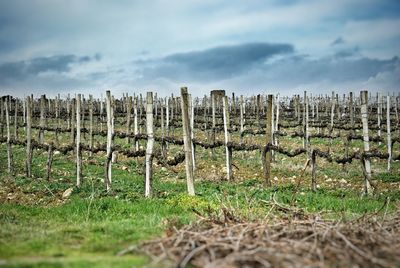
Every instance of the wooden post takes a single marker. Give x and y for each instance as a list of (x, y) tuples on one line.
[(228, 151), (268, 142), (379, 100), (332, 116), (78, 142), (68, 111), (57, 113), (128, 118), (389, 138), (114, 154), (162, 117), (83, 109), (73, 120), (9, 148), (135, 123), (91, 125), (28, 165), (101, 112), (367, 163), (140, 107), (150, 143), (42, 118), (298, 108), (277, 105), (258, 105), (24, 112), (306, 134), (187, 140), (167, 115), (213, 104), (351, 110), (15, 119), (313, 171), (191, 112), (397, 114), (2, 116), (110, 131), (241, 117)]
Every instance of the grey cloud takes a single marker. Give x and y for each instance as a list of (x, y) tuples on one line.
[(346, 53), (250, 68), (214, 63), (321, 75), (338, 41), (21, 70)]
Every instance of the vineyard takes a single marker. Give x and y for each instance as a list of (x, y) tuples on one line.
[(217, 181)]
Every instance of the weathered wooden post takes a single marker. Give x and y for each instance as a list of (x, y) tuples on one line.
[(73, 120), (58, 123), (298, 108), (379, 100), (28, 165), (277, 105), (213, 106), (128, 118), (136, 123), (366, 161), (15, 119), (258, 105), (313, 170), (150, 143), (351, 110), (242, 107), (191, 112), (2, 116), (389, 138), (24, 112), (9, 147), (228, 151), (306, 134), (91, 106), (332, 116), (68, 111), (42, 118), (187, 140), (107, 180), (267, 155), (167, 115), (78, 142)]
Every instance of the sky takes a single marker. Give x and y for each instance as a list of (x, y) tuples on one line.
[(246, 47)]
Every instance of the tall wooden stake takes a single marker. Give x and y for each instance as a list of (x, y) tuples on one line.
[(110, 131), (78, 142), (268, 141), (128, 118), (42, 118), (91, 124), (28, 165), (150, 143), (136, 122), (389, 138), (228, 151), (187, 140), (367, 163), (9, 148)]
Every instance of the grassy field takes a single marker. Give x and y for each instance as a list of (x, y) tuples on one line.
[(40, 228)]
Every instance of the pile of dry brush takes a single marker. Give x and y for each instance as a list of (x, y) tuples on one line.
[(295, 240)]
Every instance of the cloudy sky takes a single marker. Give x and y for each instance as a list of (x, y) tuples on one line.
[(52, 46)]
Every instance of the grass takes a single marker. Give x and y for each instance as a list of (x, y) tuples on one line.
[(41, 229)]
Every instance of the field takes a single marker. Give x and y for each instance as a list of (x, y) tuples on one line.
[(53, 223)]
